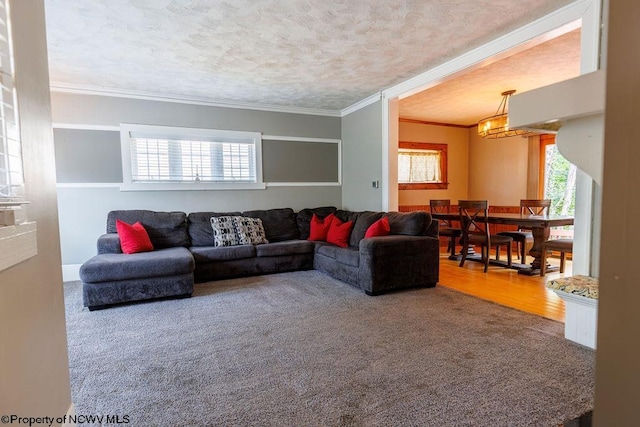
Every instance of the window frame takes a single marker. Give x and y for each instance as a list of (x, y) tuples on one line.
[(545, 140), (10, 121), (427, 146), (129, 131)]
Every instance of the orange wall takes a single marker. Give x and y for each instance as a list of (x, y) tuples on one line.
[(491, 169), (458, 161), (498, 169)]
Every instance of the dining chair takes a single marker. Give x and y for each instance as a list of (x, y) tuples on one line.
[(474, 218), (523, 236), (563, 246), (445, 226)]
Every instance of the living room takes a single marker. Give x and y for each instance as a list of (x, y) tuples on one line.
[(82, 210)]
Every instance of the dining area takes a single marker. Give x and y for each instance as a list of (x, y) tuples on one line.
[(473, 231)]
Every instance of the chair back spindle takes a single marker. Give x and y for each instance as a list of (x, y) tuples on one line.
[(535, 206), (445, 225), (474, 217)]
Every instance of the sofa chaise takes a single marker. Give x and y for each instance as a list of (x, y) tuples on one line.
[(184, 253)]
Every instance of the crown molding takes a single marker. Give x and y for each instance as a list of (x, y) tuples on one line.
[(184, 99), (361, 104), (80, 126), (425, 122)]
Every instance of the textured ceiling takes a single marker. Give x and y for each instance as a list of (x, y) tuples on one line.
[(318, 54), (466, 99)]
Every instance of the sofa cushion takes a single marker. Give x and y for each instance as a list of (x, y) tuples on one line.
[(279, 224), (162, 262), (348, 256), (303, 218), (208, 254), (346, 216), (409, 223), (224, 231), (290, 247), (363, 221), (133, 238), (109, 244), (200, 229), (166, 229), (249, 230)]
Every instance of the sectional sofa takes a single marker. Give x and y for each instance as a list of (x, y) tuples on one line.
[(184, 253)]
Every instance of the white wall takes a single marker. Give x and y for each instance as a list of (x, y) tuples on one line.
[(34, 368)]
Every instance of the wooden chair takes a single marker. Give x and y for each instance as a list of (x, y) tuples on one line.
[(446, 230), (523, 236), (475, 231), (563, 246)]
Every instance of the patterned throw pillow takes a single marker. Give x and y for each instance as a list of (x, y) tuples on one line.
[(224, 231), (250, 230)]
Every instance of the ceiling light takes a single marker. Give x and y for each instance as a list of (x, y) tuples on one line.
[(497, 126)]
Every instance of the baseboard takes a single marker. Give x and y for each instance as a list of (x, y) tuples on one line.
[(71, 413), (70, 272)]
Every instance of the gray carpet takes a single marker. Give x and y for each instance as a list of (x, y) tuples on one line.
[(302, 349)]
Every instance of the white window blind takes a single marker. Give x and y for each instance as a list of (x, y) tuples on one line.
[(167, 155), (11, 173), (419, 166), (154, 160)]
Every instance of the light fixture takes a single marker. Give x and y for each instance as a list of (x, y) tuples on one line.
[(497, 126)]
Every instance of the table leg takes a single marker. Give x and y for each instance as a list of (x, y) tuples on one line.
[(540, 234)]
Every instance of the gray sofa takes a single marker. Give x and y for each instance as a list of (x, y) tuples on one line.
[(184, 253)]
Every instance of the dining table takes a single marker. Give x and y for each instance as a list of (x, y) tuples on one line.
[(540, 226)]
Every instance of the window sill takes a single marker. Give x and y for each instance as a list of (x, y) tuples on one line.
[(190, 186), (17, 243)]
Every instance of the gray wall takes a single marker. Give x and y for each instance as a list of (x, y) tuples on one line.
[(87, 156), (286, 161), (83, 208), (34, 369), (95, 156), (111, 111), (362, 158)]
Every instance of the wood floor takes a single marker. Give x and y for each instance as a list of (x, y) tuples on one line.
[(505, 286)]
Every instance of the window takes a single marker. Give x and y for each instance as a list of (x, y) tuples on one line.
[(161, 158), (422, 166), (18, 237), (11, 174), (558, 178), (557, 183)]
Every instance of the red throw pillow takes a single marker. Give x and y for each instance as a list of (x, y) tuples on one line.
[(320, 228), (133, 238), (379, 228), (339, 233)]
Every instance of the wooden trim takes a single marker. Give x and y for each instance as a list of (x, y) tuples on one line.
[(442, 148), (424, 186), (424, 122), (545, 140), (422, 146)]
